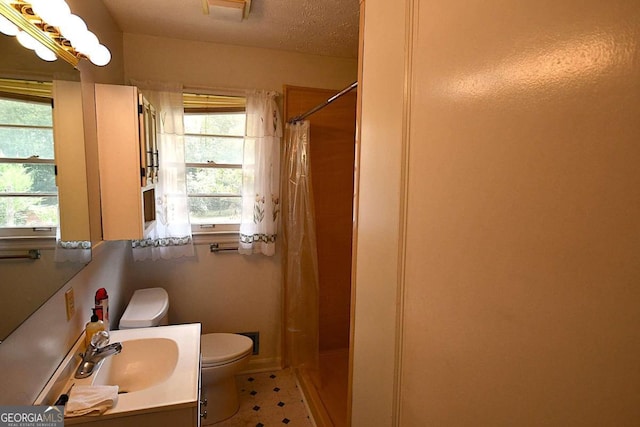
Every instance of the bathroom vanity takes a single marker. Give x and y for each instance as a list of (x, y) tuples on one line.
[(157, 372)]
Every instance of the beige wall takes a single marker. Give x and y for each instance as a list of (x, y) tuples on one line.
[(199, 64), (378, 220), (520, 297), (99, 21), (226, 292)]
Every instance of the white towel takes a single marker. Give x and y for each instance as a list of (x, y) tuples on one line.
[(91, 400)]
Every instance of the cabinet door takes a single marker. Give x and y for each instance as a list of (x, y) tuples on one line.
[(71, 179), (119, 162)]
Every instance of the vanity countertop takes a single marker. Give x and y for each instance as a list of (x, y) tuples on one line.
[(178, 387)]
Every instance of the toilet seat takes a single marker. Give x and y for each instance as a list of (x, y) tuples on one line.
[(221, 348)]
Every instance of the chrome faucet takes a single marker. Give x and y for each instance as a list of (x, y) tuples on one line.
[(98, 350)]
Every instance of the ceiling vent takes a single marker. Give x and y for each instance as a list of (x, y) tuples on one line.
[(229, 10)]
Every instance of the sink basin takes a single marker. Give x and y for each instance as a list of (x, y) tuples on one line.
[(157, 374), (143, 363)]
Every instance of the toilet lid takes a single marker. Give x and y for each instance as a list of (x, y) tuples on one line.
[(220, 347)]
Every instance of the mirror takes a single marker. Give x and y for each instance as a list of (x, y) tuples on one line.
[(27, 283)]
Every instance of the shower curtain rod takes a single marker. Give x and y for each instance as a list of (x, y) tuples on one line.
[(324, 104)]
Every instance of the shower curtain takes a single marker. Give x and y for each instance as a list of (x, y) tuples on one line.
[(301, 262)]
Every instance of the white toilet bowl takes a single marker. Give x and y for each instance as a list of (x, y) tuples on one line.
[(223, 355)]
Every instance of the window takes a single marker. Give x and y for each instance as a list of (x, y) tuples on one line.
[(214, 139), (28, 193)]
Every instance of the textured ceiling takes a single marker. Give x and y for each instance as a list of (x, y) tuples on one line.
[(320, 27)]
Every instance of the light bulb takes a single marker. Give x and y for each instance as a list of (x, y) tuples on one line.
[(100, 56), (45, 54), (87, 43), (53, 12), (26, 40), (7, 27), (73, 28), (41, 7)]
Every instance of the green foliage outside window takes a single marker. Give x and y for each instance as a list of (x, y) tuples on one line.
[(26, 131), (213, 142)]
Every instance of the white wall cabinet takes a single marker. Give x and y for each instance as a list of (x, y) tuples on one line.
[(71, 176), (127, 149)]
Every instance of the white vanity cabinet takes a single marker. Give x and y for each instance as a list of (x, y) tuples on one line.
[(181, 417), (127, 149)]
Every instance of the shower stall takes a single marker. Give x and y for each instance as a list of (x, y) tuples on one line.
[(317, 207)]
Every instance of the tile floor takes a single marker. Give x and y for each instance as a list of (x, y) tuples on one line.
[(269, 399)]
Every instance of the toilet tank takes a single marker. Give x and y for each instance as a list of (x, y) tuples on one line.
[(147, 307)]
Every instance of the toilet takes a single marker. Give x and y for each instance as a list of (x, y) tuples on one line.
[(147, 307), (223, 355)]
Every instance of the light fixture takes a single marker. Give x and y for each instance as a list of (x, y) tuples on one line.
[(50, 29), (7, 27), (233, 10), (26, 40)]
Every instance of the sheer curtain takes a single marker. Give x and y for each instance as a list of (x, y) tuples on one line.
[(171, 235), (72, 251), (299, 243), (260, 170)]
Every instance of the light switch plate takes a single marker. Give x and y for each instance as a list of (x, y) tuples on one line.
[(70, 303)]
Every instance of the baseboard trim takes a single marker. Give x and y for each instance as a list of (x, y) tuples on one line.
[(262, 365)]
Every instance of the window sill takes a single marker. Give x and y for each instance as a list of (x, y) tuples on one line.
[(25, 243), (221, 237)]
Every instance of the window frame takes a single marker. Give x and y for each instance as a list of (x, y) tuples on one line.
[(204, 232), (18, 92)]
